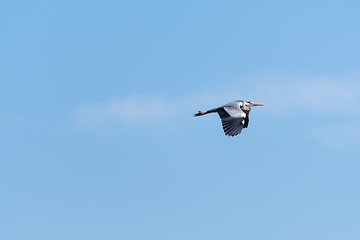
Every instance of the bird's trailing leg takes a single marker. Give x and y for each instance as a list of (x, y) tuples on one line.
[(200, 113)]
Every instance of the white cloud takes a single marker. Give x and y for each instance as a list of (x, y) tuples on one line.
[(130, 110), (326, 102), (319, 96), (142, 110)]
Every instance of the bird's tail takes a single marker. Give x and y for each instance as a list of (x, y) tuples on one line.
[(200, 113)]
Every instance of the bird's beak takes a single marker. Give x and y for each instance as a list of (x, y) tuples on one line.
[(257, 104)]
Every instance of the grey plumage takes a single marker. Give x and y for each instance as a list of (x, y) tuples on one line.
[(234, 116)]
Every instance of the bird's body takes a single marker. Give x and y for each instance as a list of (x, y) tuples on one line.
[(234, 116)]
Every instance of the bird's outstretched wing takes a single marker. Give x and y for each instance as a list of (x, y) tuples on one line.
[(233, 119)]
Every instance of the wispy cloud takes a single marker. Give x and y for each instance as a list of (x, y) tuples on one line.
[(142, 110), (129, 110), (319, 96)]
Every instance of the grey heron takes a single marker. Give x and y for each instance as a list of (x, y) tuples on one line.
[(234, 116)]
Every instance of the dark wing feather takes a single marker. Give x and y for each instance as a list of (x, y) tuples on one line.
[(232, 125)]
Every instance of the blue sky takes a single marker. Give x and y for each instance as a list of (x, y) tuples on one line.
[(98, 138)]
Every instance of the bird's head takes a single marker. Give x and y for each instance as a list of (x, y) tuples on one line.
[(246, 106), (251, 104)]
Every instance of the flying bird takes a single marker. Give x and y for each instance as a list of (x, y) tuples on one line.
[(234, 116)]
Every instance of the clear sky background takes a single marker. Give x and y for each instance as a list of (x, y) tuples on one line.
[(98, 140)]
